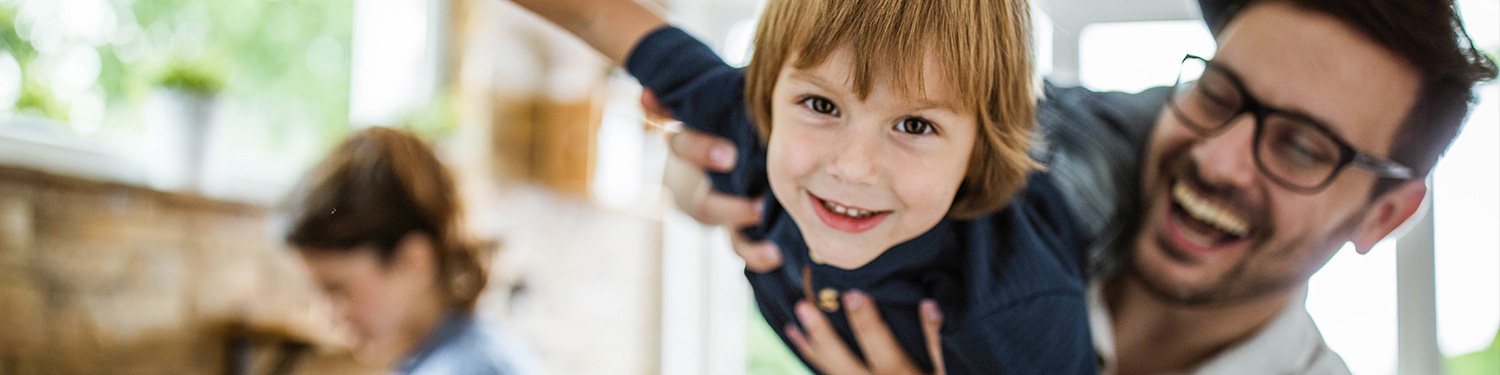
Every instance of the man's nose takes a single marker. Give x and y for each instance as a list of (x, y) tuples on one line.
[(1228, 157)]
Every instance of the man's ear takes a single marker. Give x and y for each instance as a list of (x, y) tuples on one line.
[(1393, 210)]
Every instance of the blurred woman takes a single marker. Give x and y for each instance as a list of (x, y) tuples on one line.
[(378, 223)]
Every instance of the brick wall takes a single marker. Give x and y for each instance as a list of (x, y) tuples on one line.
[(108, 278)]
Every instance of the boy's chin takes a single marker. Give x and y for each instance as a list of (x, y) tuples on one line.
[(845, 254)]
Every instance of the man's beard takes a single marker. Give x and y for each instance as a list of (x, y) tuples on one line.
[(1240, 282)]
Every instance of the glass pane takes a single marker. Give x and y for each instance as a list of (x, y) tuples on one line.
[(1133, 56), (1466, 209)]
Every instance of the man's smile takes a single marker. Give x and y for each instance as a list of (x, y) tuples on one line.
[(1198, 224)]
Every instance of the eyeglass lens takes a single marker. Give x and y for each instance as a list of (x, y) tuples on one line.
[(1288, 147)]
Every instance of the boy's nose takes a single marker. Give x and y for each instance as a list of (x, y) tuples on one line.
[(854, 156)]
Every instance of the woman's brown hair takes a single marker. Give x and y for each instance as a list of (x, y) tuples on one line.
[(378, 186)]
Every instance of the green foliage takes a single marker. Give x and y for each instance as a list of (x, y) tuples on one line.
[(283, 63), (10, 41), (437, 121), (267, 54), (35, 99), (1486, 361), (196, 79), (767, 354), (38, 102)]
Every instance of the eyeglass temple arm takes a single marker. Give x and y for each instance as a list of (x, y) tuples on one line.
[(1382, 167)]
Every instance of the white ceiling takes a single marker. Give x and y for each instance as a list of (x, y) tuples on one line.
[(1070, 16), (1073, 14)]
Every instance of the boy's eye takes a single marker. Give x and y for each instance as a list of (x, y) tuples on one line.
[(820, 105), (916, 126)]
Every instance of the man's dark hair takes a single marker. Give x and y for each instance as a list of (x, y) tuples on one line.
[(1430, 36)]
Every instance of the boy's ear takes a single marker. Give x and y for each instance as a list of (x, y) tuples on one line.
[(1394, 212)]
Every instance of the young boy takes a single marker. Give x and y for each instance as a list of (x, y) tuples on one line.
[(890, 134)]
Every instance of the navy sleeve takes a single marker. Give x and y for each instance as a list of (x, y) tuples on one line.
[(707, 95), (1028, 337), (1026, 296)]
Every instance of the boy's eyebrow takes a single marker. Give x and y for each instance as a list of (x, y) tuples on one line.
[(946, 105), (805, 76), (918, 104)]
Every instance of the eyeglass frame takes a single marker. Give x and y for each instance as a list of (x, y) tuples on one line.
[(1348, 155)]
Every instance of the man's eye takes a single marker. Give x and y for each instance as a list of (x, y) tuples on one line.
[(820, 105), (1220, 96), (1306, 151), (916, 126)]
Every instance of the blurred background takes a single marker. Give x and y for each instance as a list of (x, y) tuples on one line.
[(145, 146)]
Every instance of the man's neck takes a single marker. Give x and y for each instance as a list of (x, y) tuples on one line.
[(1155, 335)]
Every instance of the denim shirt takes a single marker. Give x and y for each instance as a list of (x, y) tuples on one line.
[(460, 344)]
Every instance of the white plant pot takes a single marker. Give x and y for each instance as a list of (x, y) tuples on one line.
[(178, 128)]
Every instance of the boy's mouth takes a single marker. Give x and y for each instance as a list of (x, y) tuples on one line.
[(845, 217)]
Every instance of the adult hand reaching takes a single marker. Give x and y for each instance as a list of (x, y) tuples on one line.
[(694, 153), (821, 346)]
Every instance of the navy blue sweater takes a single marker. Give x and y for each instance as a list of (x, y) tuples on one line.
[(1010, 284)]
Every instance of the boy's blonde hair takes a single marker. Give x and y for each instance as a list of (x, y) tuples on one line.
[(982, 48)]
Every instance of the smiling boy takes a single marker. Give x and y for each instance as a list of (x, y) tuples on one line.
[(892, 135)]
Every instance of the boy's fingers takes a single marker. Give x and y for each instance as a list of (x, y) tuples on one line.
[(833, 356), (704, 150), (932, 325), (882, 352), (760, 257)]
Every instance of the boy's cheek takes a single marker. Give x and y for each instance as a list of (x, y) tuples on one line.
[(793, 153), (924, 206), (783, 170), (929, 183)]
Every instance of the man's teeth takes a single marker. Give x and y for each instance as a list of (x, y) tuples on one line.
[(1201, 209), (847, 211)]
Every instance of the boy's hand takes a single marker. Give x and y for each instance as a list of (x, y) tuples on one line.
[(823, 348), (693, 154)]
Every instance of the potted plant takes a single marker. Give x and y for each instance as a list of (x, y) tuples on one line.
[(179, 122)]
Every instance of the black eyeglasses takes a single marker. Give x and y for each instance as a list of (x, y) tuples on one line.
[(1295, 151)]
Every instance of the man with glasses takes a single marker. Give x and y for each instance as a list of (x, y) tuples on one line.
[(1313, 126)]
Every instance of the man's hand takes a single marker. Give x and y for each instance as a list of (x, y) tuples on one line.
[(695, 153), (883, 355)]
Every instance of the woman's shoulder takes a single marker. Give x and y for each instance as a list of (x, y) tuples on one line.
[(475, 346)]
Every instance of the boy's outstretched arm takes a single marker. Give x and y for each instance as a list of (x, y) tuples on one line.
[(612, 27)]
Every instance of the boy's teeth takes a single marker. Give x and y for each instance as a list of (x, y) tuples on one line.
[(1207, 212), (846, 211)]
